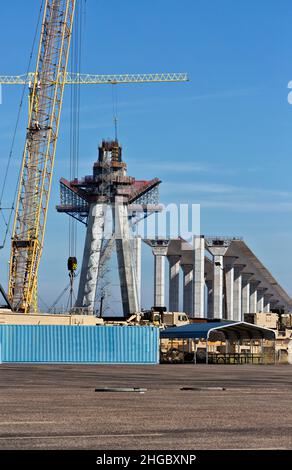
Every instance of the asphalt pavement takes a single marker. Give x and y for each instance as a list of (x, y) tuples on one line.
[(220, 407)]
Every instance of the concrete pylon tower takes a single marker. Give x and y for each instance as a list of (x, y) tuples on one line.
[(90, 200)]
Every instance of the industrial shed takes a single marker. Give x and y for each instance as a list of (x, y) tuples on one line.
[(222, 342)]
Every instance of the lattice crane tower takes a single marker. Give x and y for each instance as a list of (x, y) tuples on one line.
[(46, 95)]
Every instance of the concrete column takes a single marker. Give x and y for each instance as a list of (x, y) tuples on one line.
[(188, 288), (210, 310), (174, 265), (260, 300), (218, 252), (159, 253), (218, 287), (199, 277), (137, 251), (229, 285), (245, 279), (91, 258), (237, 292), (267, 308), (267, 305), (229, 281), (253, 296)]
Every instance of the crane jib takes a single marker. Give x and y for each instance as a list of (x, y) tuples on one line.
[(90, 79)]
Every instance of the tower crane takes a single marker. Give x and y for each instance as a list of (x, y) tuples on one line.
[(46, 89)]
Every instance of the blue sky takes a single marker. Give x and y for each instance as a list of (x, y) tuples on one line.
[(223, 140)]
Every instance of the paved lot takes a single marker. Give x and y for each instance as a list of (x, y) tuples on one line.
[(56, 407)]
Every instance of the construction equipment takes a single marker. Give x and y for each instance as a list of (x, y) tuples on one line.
[(90, 79), (144, 318), (46, 88), (46, 95), (160, 317)]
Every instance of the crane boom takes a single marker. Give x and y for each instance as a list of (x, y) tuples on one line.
[(46, 95), (89, 79)]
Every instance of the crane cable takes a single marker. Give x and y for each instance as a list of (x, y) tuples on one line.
[(55, 303), (11, 209), (76, 54), (75, 117), (115, 109)]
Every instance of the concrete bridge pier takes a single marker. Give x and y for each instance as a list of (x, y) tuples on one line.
[(229, 286), (245, 291), (199, 277), (253, 304), (174, 266), (237, 292), (260, 299), (267, 305), (159, 251), (210, 309), (188, 270), (218, 253)]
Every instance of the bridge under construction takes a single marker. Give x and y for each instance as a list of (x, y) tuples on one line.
[(222, 278)]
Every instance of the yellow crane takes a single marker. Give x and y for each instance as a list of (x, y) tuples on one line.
[(46, 88)]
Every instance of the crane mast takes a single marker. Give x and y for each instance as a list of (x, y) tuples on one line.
[(46, 96)]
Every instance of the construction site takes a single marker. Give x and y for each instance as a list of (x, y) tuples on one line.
[(207, 325)]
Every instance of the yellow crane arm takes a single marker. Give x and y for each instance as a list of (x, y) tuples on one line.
[(89, 79), (46, 95)]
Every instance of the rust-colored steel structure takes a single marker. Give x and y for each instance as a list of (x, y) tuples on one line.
[(46, 95), (109, 180)]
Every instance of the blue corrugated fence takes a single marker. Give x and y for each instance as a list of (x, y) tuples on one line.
[(79, 344)]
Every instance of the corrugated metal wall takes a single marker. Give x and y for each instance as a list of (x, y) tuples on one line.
[(80, 344)]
